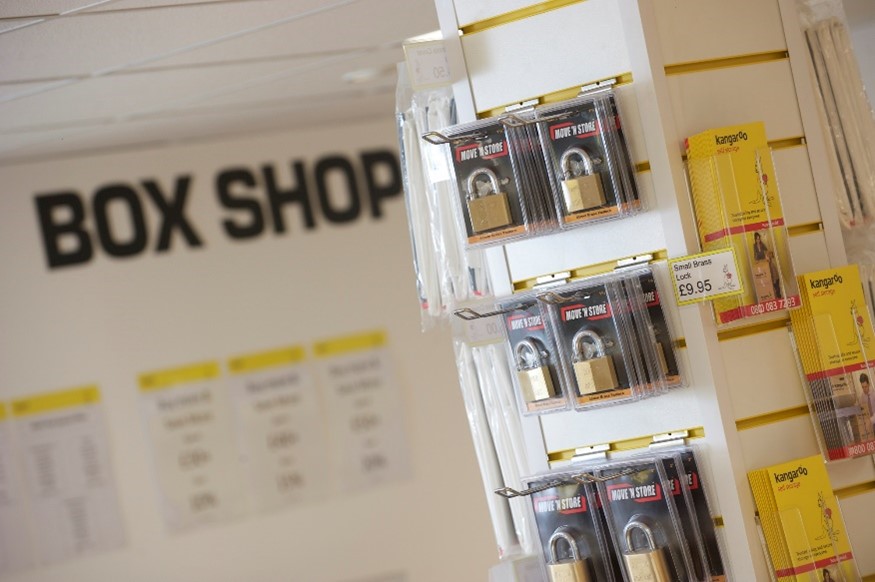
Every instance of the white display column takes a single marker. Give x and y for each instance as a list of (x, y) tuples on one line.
[(681, 67)]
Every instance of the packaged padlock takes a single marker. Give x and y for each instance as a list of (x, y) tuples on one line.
[(532, 351), (695, 515), (593, 335), (644, 522), (571, 529), (586, 153), (489, 194), (522, 131), (652, 329)]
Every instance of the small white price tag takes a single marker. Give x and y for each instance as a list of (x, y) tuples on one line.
[(427, 64), (705, 276)]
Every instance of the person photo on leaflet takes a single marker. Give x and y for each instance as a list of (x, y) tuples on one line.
[(827, 577), (760, 250)]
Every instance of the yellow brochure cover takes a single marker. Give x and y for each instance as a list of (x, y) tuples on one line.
[(737, 204), (811, 525)]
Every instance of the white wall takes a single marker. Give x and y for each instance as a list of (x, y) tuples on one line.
[(109, 320)]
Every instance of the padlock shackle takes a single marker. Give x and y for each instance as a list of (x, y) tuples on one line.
[(585, 159), (643, 528), (472, 179), (569, 539), (579, 340), (528, 345)]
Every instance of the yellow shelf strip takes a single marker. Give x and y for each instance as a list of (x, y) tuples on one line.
[(802, 229), (749, 330), (725, 62), (556, 96), (629, 444), (515, 15), (590, 270), (771, 417), (852, 490), (790, 142)]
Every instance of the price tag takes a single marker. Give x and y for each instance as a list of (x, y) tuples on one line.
[(705, 276), (427, 64), (364, 410)]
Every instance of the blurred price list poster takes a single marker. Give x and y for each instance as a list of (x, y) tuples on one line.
[(63, 441), (15, 549), (189, 425), (280, 427), (365, 411)]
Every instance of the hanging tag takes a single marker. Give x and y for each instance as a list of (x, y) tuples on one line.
[(706, 276), (427, 64)]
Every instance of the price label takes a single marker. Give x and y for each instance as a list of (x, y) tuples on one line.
[(705, 276), (427, 64)]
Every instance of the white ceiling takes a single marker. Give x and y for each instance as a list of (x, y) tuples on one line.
[(79, 76)]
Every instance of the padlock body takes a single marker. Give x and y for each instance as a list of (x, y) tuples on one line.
[(568, 571), (489, 212), (595, 375), (536, 384), (647, 566), (583, 193)]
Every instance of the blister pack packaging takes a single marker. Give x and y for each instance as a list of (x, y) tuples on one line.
[(571, 529), (588, 159), (489, 194), (644, 521), (532, 351)]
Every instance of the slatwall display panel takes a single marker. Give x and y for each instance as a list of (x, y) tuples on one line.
[(735, 95), (809, 252), (469, 11), (589, 245), (697, 30), (678, 409), (21, 8), (778, 442), (858, 516), (627, 102), (851, 472), (761, 370), (796, 184), (557, 50)]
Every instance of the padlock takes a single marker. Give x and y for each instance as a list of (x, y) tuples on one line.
[(647, 564), (583, 190), (593, 368), (573, 570), (663, 363), (490, 211), (535, 380)]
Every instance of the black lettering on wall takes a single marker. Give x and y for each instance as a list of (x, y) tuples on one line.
[(54, 231), (125, 195), (337, 164), (296, 195), (173, 213), (378, 192), (224, 182)]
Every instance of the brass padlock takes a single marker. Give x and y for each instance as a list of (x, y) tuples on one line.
[(663, 363), (535, 380), (491, 210), (647, 564), (581, 189), (573, 570), (593, 368)]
